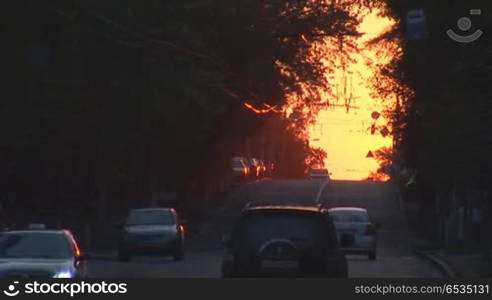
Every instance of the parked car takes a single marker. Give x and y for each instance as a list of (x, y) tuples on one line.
[(283, 241), (319, 174), (248, 167), (152, 231), (263, 168), (254, 168), (239, 168), (358, 232), (270, 167), (41, 254)]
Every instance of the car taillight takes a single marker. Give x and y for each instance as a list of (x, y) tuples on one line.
[(370, 230)]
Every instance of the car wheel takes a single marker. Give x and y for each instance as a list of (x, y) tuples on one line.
[(372, 255), (124, 256)]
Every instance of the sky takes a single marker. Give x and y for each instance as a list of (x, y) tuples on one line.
[(345, 136)]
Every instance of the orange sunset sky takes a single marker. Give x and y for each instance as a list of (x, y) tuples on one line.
[(345, 135)]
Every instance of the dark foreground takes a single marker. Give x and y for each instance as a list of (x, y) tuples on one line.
[(204, 251)]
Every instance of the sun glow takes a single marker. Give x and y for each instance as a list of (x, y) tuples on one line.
[(344, 131)]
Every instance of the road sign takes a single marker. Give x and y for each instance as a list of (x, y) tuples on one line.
[(375, 115)]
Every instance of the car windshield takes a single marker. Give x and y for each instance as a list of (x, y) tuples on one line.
[(309, 231), (34, 245), (349, 216), (151, 217)]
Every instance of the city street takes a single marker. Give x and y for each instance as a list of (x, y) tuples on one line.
[(204, 251), (238, 139)]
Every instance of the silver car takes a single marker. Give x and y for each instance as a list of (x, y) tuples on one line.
[(41, 254), (239, 168), (355, 231), (152, 231)]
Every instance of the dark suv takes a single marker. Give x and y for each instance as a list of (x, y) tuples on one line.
[(284, 241)]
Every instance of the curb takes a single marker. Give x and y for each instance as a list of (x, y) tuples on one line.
[(443, 267)]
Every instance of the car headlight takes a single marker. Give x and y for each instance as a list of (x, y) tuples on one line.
[(63, 274)]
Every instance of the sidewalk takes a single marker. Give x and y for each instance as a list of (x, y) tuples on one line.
[(467, 265), (453, 264)]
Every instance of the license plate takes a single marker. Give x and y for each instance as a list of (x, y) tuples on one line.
[(279, 264)]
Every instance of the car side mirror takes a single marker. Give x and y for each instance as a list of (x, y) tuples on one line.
[(226, 240)]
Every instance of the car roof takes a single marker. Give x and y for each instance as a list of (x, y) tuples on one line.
[(284, 208), (347, 209)]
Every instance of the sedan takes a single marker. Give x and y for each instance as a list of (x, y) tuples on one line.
[(254, 168), (355, 231), (240, 169), (152, 231), (41, 254), (263, 168), (319, 174)]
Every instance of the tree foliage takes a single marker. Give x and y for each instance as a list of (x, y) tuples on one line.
[(442, 86)]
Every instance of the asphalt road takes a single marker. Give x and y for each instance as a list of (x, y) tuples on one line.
[(204, 251)]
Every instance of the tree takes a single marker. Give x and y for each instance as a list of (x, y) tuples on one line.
[(441, 127), (120, 99)]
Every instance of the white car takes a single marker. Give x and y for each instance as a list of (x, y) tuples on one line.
[(41, 254), (152, 231), (356, 233), (239, 168), (319, 174)]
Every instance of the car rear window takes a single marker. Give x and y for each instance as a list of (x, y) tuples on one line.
[(349, 216), (151, 217), (307, 231)]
